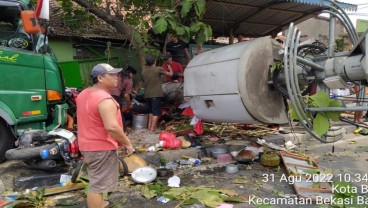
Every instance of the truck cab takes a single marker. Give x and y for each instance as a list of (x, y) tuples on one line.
[(31, 83)]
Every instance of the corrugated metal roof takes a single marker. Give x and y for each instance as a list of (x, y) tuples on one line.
[(261, 17)]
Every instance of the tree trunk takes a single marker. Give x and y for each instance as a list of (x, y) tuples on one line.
[(117, 23)]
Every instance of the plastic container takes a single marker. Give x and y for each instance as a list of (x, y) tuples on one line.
[(140, 121), (218, 151), (231, 168), (270, 159)]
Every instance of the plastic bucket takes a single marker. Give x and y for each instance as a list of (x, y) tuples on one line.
[(140, 121)]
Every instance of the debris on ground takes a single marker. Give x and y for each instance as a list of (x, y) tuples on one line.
[(207, 195), (314, 183)]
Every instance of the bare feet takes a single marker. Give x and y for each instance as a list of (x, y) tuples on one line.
[(105, 204)]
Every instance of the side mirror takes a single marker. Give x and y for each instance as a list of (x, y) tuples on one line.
[(30, 22)]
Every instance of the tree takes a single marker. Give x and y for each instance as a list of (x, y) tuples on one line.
[(135, 18)]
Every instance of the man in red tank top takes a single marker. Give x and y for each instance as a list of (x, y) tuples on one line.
[(100, 132)]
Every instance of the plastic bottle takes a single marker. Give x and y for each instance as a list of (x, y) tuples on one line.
[(194, 161)]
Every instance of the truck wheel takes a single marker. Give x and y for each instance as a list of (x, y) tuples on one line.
[(7, 140)]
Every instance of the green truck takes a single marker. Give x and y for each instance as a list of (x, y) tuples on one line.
[(31, 83)]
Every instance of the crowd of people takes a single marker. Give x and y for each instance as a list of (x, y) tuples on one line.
[(105, 109)]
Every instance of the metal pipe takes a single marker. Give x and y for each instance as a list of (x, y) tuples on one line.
[(331, 41), (336, 109), (347, 17), (292, 99), (294, 78), (351, 35), (309, 63)]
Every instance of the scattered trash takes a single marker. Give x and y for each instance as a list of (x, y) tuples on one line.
[(144, 175), (174, 182), (289, 145), (184, 143), (224, 158), (64, 179), (224, 205), (290, 196), (218, 151), (270, 145), (134, 161), (152, 149), (162, 172), (361, 131), (169, 141), (270, 159), (232, 168), (163, 199), (241, 180), (298, 165), (194, 161), (171, 165), (353, 142)]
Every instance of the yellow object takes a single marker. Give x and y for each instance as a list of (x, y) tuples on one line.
[(134, 161), (184, 142), (356, 131)]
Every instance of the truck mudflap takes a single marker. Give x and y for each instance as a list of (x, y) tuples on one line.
[(60, 118)]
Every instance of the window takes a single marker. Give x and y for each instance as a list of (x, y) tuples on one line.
[(11, 29)]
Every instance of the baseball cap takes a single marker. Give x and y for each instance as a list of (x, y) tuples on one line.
[(101, 69), (167, 56)]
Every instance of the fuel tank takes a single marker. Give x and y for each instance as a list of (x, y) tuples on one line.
[(230, 84)]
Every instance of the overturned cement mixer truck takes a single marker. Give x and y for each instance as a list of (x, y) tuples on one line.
[(263, 81)]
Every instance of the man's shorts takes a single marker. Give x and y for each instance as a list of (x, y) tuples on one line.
[(154, 106), (103, 170)]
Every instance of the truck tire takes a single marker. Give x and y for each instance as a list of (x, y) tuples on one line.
[(7, 140)]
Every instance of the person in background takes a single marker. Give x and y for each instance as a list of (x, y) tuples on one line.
[(175, 67), (122, 92), (100, 132), (178, 49), (153, 93)]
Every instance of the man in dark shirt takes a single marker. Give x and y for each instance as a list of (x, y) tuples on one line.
[(178, 49)]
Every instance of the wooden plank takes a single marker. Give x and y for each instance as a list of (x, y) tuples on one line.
[(61, 189)]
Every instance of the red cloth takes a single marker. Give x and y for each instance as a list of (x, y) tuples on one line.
[(92, 135), (199, 128), (177, 68), (188, 112)]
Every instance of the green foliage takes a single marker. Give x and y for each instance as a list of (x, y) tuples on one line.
[(161, 25), (163, 160), (339, 46), (181, 18), (32, 200), (185, 22), (320, 124), (320, 100), (320, 121), (74, 15), (277, 65), (207, 195)]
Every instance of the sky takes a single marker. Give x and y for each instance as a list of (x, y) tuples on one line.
[(361, 13)]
